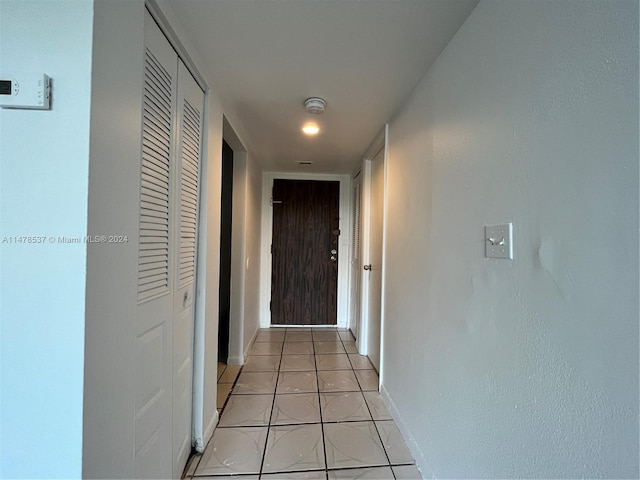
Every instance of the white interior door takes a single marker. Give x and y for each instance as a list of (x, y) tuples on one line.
[(190, 104), (153, 425), (374, 264)]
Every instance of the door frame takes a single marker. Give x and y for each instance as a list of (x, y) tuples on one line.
[(236, 354), (267, 237), (226, 263), (379, 143)]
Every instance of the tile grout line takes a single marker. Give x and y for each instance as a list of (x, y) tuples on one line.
[(324, 444), (273, 403), (233, 385), (375, 425), (322, 420), (201, 455), (345, 350), (369, 410)]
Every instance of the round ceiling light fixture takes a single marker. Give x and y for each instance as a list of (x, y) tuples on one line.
[(310, 128), (315, 105)]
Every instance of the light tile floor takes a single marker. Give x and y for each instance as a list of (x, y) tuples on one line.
[(304, 406), (227, 375)]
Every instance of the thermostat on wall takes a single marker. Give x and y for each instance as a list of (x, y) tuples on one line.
[(25, 90)]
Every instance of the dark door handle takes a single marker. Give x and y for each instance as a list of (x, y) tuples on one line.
[(367, 267)]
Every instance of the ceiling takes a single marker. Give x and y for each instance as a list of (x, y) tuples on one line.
[(363, 57)]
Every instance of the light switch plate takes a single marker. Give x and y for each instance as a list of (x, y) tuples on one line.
[(499, 241)]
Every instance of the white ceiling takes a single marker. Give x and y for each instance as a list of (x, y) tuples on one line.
[(363, 57)]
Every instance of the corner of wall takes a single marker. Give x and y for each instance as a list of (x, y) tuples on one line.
[(414, 448)]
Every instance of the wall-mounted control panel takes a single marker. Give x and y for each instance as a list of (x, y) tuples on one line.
[(25, 90)]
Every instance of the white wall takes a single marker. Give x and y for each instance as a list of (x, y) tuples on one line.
[(245, 247), (253, 219), (114, 175), (528, 368), (245, 267), (44, 183), (238, 227), (209, 291)]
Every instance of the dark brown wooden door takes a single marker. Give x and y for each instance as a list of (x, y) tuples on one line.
[(304, 271)]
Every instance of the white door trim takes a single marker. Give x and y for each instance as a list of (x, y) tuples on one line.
[(344, 259), (363, 327), (378, 144)]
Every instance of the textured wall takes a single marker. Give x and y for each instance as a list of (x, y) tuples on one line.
[(236, 318), (252, 250), (529, 367), (44, 171), (114, 172)]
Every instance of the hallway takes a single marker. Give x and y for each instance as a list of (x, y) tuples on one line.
[(484, 113), (305, 405)]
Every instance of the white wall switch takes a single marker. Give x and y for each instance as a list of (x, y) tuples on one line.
[(499, 241)]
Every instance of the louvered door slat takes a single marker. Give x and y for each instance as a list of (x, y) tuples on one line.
[(189, 179), (154, 132), (152, 102), (151, 228), (154, 169), (151, 259), (190, 198), (151, 206), (153, 250), (153, 285), (155, 197), (355, 245), (159, 74), (193, 176)]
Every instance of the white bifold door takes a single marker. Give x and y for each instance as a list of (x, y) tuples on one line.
[(356, 256), (167, 249)]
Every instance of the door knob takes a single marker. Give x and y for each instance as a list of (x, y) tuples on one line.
[(367, 267)]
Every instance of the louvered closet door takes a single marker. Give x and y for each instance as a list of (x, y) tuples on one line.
[(156, 252), (190, 106), (356, 262)]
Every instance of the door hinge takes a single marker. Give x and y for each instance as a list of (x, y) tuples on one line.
[(272, 248), (269, 306)]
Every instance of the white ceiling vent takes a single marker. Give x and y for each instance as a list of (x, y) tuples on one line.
[(315, 105)]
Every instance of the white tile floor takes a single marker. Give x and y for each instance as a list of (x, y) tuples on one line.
[(305, 406)]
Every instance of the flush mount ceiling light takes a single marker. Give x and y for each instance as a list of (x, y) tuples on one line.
[(310, 128), (315, 105)]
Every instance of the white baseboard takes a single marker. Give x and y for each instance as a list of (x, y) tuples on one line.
[(421, 462), (235, 360), (208, 432), (249, 345)]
